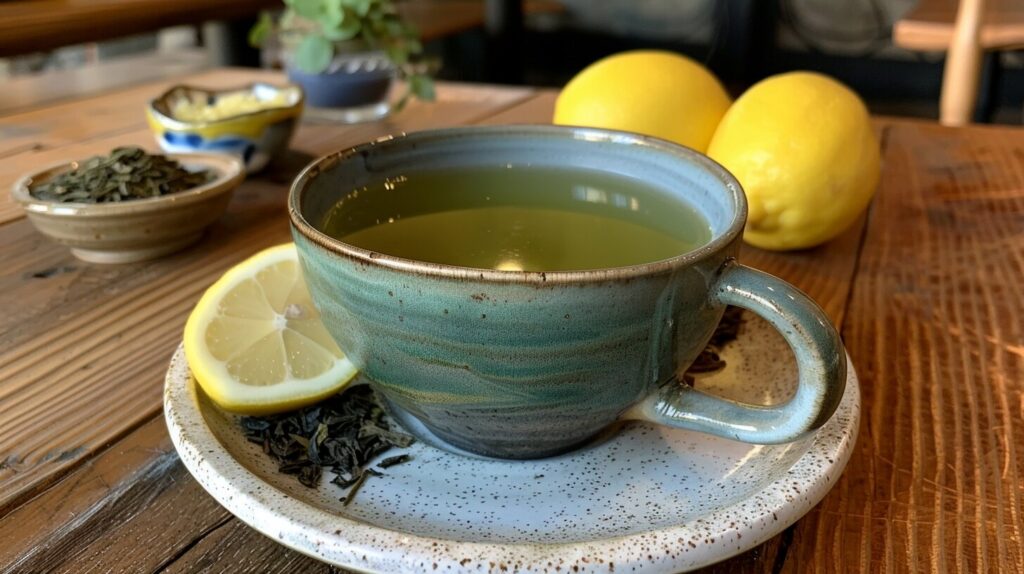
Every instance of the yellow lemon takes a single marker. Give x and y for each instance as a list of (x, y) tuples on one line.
[(802, 146), (255, 343), (653, 93)]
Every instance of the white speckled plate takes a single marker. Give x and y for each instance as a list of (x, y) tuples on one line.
[(648, 498)]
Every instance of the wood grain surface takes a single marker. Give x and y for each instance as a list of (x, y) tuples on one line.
[(24, 92), (935, 326), (926, 290)]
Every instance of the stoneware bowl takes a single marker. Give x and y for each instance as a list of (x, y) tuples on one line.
[(134, 230), (257, 137)]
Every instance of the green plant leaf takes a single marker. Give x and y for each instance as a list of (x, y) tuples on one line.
[(349, 28), (314, 54), (288, 20), (375, 14), (419, 86), (422, 87), (397, 55), (261, 30), (410, 30), (394, 28), (361, 7), (369, 35), (307, 8), (332, 15)]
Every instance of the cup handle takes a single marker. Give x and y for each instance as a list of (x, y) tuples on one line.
[(820, 356)]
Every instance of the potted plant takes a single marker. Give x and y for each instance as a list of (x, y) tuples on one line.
[(345, 53)]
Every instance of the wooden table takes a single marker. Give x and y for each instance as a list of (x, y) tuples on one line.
[(926, 290)]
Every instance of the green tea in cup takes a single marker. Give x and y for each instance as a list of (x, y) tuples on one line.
[(517, 219)]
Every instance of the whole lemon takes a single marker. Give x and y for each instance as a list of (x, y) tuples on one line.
[(649, 92), (802, 147)]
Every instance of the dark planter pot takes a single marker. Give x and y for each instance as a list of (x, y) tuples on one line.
[(352, 81)]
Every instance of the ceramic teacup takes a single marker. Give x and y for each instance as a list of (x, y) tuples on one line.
[(561, 355)]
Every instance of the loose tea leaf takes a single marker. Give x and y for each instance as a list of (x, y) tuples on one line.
[(363, 475), (127, 173), (393, 460), (342, 434)]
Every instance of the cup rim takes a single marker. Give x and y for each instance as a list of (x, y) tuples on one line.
[(719, 242)]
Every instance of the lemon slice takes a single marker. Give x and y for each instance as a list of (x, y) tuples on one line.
[(255, 341)]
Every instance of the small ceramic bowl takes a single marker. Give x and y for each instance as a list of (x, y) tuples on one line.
[(256, 137), (138, 229)]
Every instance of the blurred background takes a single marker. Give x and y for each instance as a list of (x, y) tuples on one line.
[(890, 51)]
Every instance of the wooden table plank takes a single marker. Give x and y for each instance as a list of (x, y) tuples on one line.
[(88, 344), (136, 495), (92, 521), (236, 548), (937, 479), (537, 110), (102, 114), (35, 529), (30, 91)]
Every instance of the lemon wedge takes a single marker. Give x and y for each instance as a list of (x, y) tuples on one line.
[(255, 343)]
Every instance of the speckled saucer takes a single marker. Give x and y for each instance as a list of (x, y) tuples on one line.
[(646, 498)]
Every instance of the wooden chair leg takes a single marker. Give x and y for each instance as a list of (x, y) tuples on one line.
[(963, 63)]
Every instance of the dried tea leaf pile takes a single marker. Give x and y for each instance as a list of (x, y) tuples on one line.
[(127, 173), (342, 434)]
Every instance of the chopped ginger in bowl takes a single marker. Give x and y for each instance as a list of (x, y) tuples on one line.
[(255, 122)]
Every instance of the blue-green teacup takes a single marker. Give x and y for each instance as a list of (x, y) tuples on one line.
[(560, 355)]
